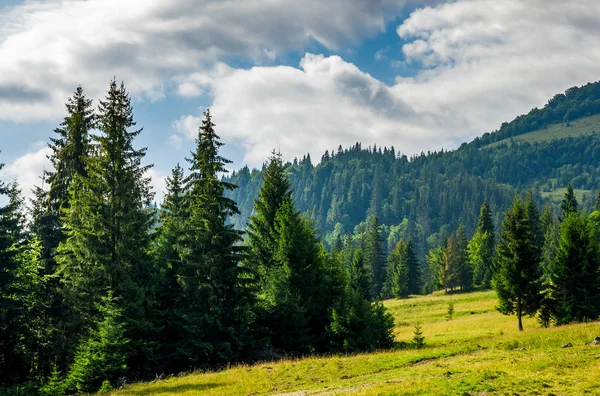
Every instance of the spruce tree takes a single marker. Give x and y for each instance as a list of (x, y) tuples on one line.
[(374, 254), (569, 203), (70, 149), (575, 280), (464, 269), (481, 248), (415, 281), (396, 284), (168, 233), (107, 224), (11, 234), (517, 279), (211, 309)]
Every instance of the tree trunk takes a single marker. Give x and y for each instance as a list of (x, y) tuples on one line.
[(520, 315)]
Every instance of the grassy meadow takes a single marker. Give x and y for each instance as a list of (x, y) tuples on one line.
[(581, 126), (478, 352)]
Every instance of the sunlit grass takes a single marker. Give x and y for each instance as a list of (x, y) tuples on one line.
[(582, 126), (479, 351)]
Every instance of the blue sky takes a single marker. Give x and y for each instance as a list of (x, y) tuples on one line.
[(299, 76)]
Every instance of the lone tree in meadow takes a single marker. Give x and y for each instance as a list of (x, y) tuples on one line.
[(517, 279)]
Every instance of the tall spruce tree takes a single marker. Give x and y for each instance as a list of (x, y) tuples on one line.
[(171, 226), (464, 269), (575, 277), (211, 309), (261, 225), (481, 248), (396, 282), (569, 203), (107, 224), (11, 235), (375, 255), (517, 279)]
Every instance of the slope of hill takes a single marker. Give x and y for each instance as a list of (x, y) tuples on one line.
[(574, 129), (427, 196), (479, 351)]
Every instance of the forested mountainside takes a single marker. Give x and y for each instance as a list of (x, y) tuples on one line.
[(426, 197)]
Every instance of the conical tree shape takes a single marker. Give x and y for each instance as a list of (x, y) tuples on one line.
[(70, 149), (172, 219), (11, 232), (261, 225), (107, 225), (374, 255), (212, 305), (569, 203), (482, 248), (517, 279), (575, 281)]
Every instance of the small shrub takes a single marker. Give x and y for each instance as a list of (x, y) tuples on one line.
[(418, 339), (450, 312)]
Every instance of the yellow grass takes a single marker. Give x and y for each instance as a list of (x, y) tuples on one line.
[(478, 352)]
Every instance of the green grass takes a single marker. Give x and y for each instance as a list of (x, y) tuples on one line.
[(558, 194), (579, 127), (478, 352)]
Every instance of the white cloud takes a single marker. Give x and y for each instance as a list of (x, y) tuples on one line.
[(49, 47), (28, 169), (488, 61), (325, 103), (482, 62)]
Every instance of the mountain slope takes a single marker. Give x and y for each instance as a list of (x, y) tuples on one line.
[(426, 197)]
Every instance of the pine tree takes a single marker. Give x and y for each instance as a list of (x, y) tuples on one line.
[(569, 203), (575, 280), (396, 284), (415, 281), (464, 269), (11, 235), (597, 204), (449, 270), (212, 304), (107, 224), (517, 280), (481, 248), (70, 150), (101, 355), (375, 255), (273, 192), (168, 233)]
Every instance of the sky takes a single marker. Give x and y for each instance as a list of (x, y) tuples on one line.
[(297, 76)]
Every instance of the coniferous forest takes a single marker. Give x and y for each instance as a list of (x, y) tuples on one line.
[(99, 286)]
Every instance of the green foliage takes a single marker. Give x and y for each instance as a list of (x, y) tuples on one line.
[(481, 248), (374, 255), (517, 277), (55, 384), (450, 310), (574, 276), (360, 325), (569, 203), (107, 227), (102, 356), (418, 338), (211, 307), (396, 285), (403, 273)]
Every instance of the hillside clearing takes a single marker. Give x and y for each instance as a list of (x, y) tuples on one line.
[(479, 351), (579, 127)]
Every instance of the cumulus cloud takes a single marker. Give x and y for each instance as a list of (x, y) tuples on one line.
[(323, 103), (28, 169), (484, 61), (480, 62), (50, 47)]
